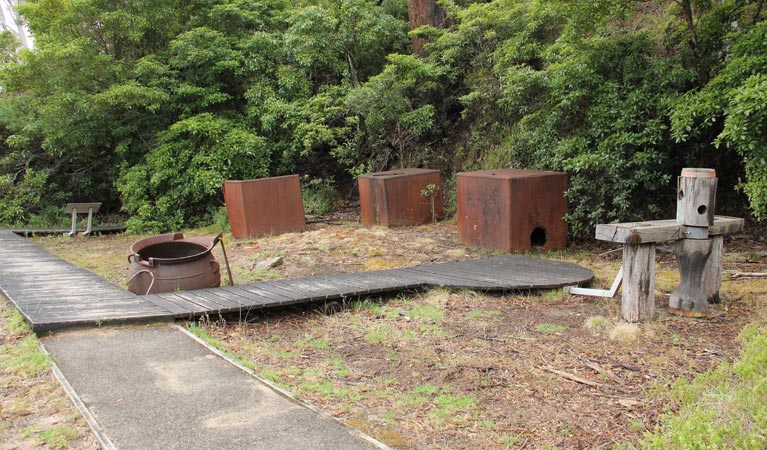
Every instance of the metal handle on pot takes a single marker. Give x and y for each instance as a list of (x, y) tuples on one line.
[(138, 260)]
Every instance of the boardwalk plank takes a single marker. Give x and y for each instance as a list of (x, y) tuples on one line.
[(237, 301), (164, 303), (436, 279), (251, 299), (300, 287), (218, 303), (206, 304), (285, 293), (186, 305)]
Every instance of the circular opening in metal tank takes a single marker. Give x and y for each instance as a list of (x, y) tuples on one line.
[(172, 249)]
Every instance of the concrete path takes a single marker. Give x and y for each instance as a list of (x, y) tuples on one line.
[(156, 387)]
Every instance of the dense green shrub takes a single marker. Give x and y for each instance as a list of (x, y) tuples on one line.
[(148, 106)]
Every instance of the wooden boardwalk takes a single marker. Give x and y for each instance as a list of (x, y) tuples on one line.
[(114, 229), (52, 293)]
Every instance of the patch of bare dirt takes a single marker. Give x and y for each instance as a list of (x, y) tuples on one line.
[(337, 246), (446, 369)]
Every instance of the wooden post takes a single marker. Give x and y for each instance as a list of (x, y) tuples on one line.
[(689, 298), (696, 200), (712, 273), (638, 298)]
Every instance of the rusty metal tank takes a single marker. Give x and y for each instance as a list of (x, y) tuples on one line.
[(169, 262), (396, 198), (512, 210)]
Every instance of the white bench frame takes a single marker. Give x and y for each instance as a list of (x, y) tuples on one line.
[(81, 208)]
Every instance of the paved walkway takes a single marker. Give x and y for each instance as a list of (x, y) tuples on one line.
[(154, 387)]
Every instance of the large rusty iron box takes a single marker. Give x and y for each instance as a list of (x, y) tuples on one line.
[(512, 210), (396, 198), (263, 207)]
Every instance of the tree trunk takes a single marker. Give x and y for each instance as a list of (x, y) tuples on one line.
[(424, 12)]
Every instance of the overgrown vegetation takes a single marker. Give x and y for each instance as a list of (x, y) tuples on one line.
[(149, 106), (723, 408), (34, 410)]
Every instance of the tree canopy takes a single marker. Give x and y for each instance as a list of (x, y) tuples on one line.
[(149, 106)]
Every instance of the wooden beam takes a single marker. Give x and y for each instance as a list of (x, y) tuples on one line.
[(660, 230)]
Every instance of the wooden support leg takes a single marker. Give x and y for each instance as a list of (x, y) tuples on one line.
[(712, 273), (690, 298), (638, 300)]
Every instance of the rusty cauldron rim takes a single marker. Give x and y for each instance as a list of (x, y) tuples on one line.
[(206, 243)]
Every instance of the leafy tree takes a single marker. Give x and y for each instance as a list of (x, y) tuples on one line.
[(192, 159), (730, 110), (150, 105), (394, 111), (343, 39)]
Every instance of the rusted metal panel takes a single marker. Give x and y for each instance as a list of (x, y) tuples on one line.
[(394, 198), (264, 207), (512, 210)]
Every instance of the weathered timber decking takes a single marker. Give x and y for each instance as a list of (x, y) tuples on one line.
[(113, 229), (52, 293)]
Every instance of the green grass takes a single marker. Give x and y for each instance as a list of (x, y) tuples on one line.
[(428, 313), (34, 412), (483, 314), (549, 328), (24, 358), (448, 405), (57, 436), (199, 331), (723, 408), (378, 334)]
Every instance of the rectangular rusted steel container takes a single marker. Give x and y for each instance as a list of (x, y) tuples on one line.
[(263, 207), (394, 199), (512, 210)]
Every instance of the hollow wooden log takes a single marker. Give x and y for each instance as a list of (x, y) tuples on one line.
[(638, 299), (696, 197)]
